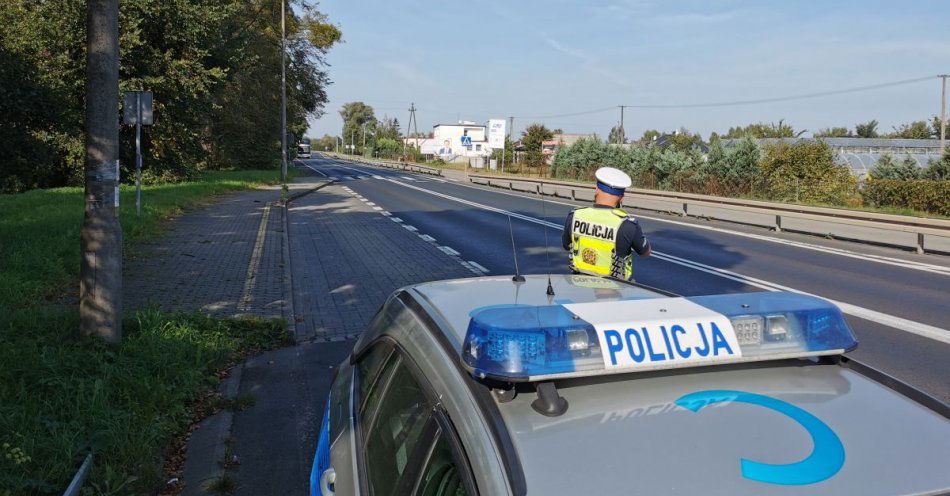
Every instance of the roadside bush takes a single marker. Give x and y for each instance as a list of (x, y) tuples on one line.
[(888, 168), (578, 161), (939, 170), (926, 196), (806, 172)]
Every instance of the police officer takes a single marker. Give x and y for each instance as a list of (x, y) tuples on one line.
[(601, 239)]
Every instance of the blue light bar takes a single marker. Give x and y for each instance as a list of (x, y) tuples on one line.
[(530, 343)]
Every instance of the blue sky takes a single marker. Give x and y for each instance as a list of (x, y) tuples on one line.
[(477, 60)]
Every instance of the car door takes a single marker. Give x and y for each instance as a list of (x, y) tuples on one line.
[(406, 443)]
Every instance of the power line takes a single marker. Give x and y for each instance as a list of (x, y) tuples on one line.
[(802, 96), (789, 98)]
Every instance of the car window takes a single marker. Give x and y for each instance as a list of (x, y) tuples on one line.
[(441, 476), (396, 431), (368, 367)]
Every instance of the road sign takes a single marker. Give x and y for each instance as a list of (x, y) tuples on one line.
[(467, 141), (137, 108), (496, 133)]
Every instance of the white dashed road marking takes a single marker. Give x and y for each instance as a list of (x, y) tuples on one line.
[(448, 250)]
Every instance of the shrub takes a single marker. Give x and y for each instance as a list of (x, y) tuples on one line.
[(888, 168), (806, 172), (578, 161), (939, 170), (926, 196)]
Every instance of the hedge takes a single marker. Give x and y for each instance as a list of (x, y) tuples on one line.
[(927, 196)]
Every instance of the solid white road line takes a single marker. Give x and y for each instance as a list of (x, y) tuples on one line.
[(900, 323)]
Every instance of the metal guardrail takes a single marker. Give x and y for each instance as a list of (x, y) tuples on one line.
[(435, 171), (871, 227)]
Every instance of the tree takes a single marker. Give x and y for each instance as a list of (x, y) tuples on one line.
[(806, 172), (935, 128), (325, 143), (212, 66), (354, 115), (648, 136), (387, 128), (762, 130), (616, 135), (867, 129), (888, 168), (682, 140), (914, 130), (531, 138), (834, 132)]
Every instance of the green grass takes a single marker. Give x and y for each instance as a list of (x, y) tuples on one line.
[(62, 396), (39, 251)]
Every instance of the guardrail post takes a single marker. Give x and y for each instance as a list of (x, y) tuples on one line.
[(920, 243), (778, 223)]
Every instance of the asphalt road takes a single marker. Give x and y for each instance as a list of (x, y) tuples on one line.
[(893, 298)]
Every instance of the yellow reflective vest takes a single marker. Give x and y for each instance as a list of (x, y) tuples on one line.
[(593, 243)]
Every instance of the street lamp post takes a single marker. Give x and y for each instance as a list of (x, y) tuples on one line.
[(283, 95)]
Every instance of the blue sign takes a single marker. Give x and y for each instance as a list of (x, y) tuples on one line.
[(825, 460), (467, 141)]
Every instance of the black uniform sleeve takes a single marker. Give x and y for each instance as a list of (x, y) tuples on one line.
[(630, 238), (566, 235)]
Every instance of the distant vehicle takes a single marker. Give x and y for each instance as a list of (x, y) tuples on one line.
[(493, 386), (303, 150)]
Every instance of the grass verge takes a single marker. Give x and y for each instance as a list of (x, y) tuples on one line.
[(62, 396), (39, 229)]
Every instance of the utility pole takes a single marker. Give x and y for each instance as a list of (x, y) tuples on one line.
[(623, 134), (412, 123), (943, 114), (283, 95), (100, 270), (353, 142), (511, 131)]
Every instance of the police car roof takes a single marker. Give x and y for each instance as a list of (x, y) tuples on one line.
[(626, 433)]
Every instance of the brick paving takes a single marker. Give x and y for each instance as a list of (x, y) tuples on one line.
[(201, 262), (347, 259)]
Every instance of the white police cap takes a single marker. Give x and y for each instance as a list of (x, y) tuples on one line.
[(611, 180)]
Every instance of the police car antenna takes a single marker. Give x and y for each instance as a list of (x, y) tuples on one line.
[(514, 253), (547, 251)]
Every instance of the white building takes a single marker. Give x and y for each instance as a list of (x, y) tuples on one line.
[(454, 142)]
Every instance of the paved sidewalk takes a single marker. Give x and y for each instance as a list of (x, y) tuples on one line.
[(345, 259), (224, 259)]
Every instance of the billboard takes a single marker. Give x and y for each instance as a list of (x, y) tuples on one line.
[(496, 133)]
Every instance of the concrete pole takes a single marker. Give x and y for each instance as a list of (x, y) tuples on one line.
[(943, 114), (100, 270), (283, 94)]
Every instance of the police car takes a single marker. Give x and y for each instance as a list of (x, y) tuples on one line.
[(494, 386)]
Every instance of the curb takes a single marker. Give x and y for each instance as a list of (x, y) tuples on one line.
[(207, 446)]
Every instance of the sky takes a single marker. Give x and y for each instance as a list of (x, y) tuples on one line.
[(536, 60)]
